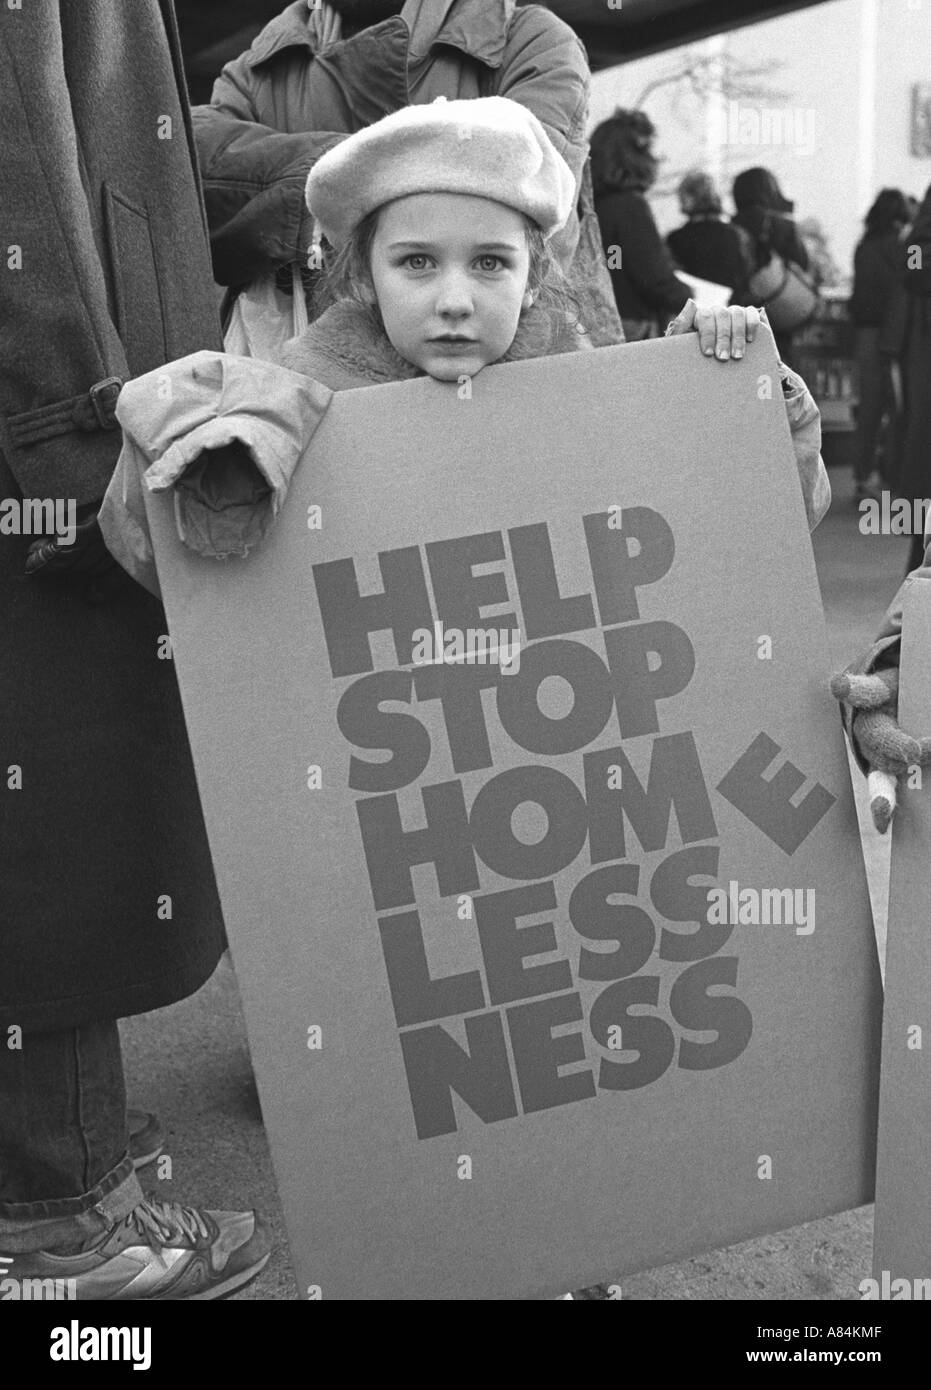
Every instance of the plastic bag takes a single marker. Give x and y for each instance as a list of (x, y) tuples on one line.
[(264, 318)]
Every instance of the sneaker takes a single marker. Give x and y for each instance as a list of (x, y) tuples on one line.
[(146, 1137), (159, 1251)]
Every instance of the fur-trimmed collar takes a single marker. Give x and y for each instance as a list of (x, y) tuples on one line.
[(347, 347)]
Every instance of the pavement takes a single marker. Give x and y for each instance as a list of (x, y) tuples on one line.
[(191, 1064)]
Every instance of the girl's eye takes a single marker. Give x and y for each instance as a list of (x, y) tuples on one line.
[(489, 262), (416, 260)]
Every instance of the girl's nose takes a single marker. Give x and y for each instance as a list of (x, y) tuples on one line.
[(454, 295)]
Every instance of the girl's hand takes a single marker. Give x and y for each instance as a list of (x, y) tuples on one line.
[(722, 333)]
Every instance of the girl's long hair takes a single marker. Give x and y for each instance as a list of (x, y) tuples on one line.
[(622, 154), (890, 210)]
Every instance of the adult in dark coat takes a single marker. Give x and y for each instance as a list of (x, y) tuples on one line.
[(762, 211), (109, 905), (707, 245), (115, 280), (876, 307), (915, 260), (647, 290)]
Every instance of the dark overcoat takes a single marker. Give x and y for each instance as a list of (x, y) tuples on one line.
[(915, 265), (108, 904)]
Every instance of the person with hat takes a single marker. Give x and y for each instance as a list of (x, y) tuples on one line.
[(442, 219), (707, 245), (763, 212)]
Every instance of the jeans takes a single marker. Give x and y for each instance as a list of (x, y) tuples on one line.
[(66, 1175)]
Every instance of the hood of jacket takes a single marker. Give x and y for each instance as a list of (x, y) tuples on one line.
[(347, 347), (477, 28)]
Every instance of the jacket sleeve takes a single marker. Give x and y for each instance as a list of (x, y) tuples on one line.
[(805, 428), (884, 652), (123, 522), (546, 70), (193, 440), (254, 179), (648, 264)]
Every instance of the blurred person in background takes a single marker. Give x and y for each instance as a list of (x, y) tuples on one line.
[(822, 264), (708, 245), (915, 261), (647, 290), (763, 212), (878, 307)]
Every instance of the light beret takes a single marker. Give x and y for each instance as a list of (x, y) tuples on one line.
[(490, 147)]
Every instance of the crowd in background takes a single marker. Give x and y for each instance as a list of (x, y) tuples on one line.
[(762, 247)]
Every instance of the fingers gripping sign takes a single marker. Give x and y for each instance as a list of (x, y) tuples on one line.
[(744, 326), (716, 334), (722, 333)]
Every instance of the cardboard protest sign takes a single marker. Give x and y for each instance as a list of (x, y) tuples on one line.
[(557, 960), (902, 1233)]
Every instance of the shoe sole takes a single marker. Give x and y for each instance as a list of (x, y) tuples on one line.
[(235, 1281)]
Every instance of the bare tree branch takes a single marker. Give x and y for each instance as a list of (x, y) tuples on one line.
[(710, 74)]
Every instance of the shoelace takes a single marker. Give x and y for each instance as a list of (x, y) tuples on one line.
[(159, 1222)]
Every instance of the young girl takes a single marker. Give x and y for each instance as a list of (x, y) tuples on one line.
[(440, 216)]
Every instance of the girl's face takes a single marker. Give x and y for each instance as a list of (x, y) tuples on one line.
[(450, 275)]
